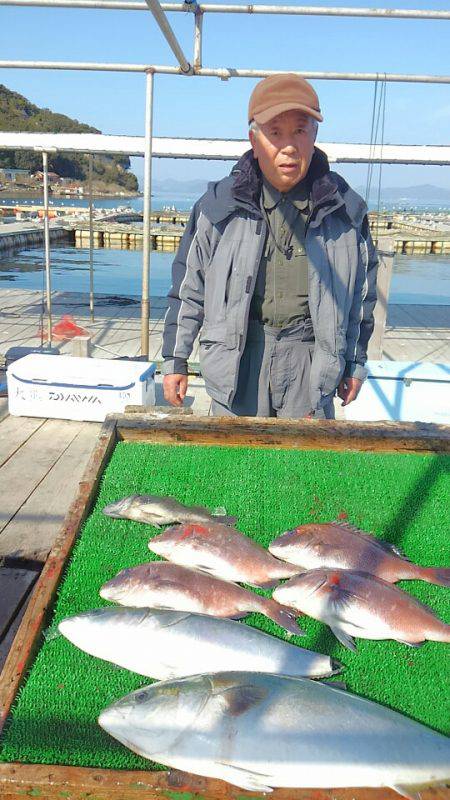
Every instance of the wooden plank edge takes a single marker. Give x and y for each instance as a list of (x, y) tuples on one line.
[(302, 434), (79, 783), (25, 642)]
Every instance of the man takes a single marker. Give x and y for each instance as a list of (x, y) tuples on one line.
[(277, 270)]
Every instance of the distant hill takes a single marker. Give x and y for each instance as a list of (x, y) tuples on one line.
[(18, 114), (423, 194)]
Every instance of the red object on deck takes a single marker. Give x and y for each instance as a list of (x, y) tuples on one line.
[(66, 328)]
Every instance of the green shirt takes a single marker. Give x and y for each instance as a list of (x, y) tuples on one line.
[(280, 298)]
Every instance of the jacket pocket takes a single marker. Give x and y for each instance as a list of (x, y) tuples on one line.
[(218, 360)]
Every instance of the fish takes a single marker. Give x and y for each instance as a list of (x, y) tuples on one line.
[(162, 584), (168, 644), (223, 552), (341, 545), (359, 604), (258, 732), (157, 511)]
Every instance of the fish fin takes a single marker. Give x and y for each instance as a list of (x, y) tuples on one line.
[(224, 519), (410, 644), (266, 585), (343, 637), (380, 542), (407, 792), (207, 568), (283, 616), (441, 577), (335, 685), (243, 778), (239, 699), (173, 617)]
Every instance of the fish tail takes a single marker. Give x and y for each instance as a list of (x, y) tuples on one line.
[(283, 616), (224, 519), (440, 576), (441, 633)]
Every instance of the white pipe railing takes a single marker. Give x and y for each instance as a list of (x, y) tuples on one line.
[(168, 34), (217, 149), (318, 11), (223, 72)]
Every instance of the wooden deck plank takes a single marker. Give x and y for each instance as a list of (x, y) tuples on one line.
[(32, 530), (20, 476), (14, 433)]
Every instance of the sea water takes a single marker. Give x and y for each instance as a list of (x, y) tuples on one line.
[(423, 280)]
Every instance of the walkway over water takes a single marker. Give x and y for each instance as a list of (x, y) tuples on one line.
[(413, 332)]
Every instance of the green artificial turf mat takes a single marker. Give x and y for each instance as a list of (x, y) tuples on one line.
[(401, 498)]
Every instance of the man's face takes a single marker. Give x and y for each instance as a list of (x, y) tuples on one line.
[(284, 147)]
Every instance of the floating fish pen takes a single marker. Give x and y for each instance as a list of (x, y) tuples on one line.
[(32, 238), (388, 478), (128, 238)]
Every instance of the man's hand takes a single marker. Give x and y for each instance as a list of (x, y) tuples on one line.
[(175, 388), (348, 390)]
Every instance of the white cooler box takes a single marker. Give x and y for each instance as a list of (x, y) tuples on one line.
[(405, 391), (66, 387)]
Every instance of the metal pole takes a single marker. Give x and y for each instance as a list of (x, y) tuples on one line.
[(91, 244), (383, 13), (386, 252), (223, 72), (47, 249), (168, 33), (198, 39), (147, 239)]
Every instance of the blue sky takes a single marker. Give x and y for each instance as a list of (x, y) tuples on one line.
[(114, 103)]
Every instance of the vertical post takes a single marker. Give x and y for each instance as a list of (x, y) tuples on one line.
[(147, 240), (386, 253), (198, 38), (47, 249), (91, 244)]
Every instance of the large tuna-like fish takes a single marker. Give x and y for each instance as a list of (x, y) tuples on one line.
[(224, 552), (169, 644), (261, 731), (157, 511), (338, 544), (358, 604), (162, 584)]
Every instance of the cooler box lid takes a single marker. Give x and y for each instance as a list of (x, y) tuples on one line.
[(85, 373), (409, 370)]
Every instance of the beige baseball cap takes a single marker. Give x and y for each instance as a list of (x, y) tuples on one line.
[(279, 93)]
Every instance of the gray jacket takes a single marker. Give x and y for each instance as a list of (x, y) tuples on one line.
[(215, 270)]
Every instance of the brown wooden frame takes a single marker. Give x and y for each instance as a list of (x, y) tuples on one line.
[(75, 783)]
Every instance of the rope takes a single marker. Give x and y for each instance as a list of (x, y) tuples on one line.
[(383, 117), (371, 150)]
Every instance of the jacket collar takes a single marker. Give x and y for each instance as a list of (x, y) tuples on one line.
[(242, 188)]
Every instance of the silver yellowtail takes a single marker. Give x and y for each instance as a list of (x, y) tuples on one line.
[(160, 584), (157, 511), (224, 552), (169, 644), (358, 604), (261, 731)]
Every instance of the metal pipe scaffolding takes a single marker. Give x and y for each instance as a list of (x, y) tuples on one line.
[(48, 284), (168, 34), (380, 13), (224, 72), (147, 243)]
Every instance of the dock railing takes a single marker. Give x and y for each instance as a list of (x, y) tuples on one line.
[(194, 68)]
